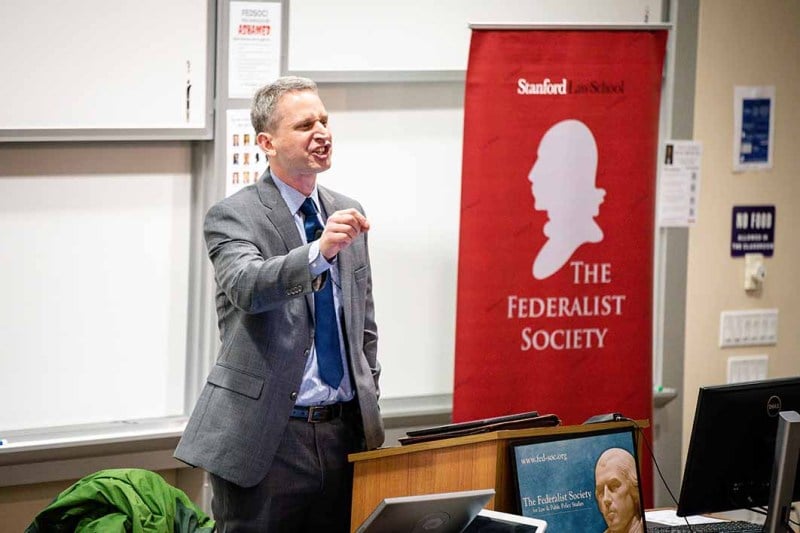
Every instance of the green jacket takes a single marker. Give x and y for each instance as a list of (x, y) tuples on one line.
[(122, 500)]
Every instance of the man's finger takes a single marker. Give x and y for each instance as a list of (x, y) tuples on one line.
[(363, 223), (353, 218)]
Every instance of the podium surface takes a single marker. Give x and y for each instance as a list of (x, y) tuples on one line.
[(471, 462)]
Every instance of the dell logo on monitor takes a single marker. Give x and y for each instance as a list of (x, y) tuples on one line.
[(773, 406)]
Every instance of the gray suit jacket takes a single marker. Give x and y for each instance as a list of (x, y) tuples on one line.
[(266, 322)]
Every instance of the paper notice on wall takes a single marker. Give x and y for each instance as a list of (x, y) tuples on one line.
[(679, 184), (254, 46), (754, 128), (245, 160)]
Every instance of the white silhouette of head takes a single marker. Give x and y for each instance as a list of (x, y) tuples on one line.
[(563, 184)]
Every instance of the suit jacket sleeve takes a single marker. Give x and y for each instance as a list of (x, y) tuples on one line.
[(253, 279)]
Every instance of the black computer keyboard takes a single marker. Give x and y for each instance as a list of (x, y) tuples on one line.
[(736, 526)]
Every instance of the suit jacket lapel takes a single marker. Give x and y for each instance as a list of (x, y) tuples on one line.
[(278, 213), (283, 220)]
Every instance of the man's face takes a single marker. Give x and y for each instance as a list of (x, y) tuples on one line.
[(300, 143), (614, 497)]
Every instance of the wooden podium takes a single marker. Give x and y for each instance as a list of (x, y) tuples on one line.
[(463, 463)]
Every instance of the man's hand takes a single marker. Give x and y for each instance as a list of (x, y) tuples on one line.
[(340, 230)]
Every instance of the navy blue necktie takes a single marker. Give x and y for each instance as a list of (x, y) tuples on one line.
[(326, 330)]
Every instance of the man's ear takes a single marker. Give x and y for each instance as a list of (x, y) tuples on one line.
[(264, 140)]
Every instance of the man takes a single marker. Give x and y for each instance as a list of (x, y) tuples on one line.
[(617, 491), (295, 385)]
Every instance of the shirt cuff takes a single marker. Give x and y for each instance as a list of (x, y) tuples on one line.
[(317, 263)]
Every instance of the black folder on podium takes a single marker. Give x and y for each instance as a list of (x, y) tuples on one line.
[(530, 419)]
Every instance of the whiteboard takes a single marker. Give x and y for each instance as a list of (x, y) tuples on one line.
[(423, 35), (94, 242), (117, 66)]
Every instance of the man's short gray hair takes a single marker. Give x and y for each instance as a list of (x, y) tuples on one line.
[(262, 111)]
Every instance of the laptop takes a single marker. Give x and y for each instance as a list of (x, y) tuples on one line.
[(498, 522), (445, 512)]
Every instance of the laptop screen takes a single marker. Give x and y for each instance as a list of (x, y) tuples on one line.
[(446, 512), (586, 482)]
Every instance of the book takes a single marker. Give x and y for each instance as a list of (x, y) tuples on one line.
[(576, 482)]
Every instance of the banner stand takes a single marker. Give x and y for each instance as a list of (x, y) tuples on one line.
[(555, 273)]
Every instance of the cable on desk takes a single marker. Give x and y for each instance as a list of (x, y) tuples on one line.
[(655, 463)]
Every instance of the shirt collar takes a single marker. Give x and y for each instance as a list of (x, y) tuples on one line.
[(294, 198)]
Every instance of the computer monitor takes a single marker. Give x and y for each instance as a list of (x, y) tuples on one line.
[(733, 446)]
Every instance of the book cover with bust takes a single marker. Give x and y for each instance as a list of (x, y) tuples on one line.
[(586, 482)]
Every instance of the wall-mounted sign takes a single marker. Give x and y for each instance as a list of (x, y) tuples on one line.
[(753, 230), (245, 160), (254, 46), (754, 127), (679, 183)]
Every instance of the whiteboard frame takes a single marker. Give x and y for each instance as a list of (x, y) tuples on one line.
[(136, 134), (381, 76)]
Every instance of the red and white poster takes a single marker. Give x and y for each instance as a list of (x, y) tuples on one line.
[(555, 266)]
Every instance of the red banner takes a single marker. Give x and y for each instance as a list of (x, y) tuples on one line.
[(557, 221)]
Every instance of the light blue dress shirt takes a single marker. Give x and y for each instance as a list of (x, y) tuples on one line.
[(314, 391)]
